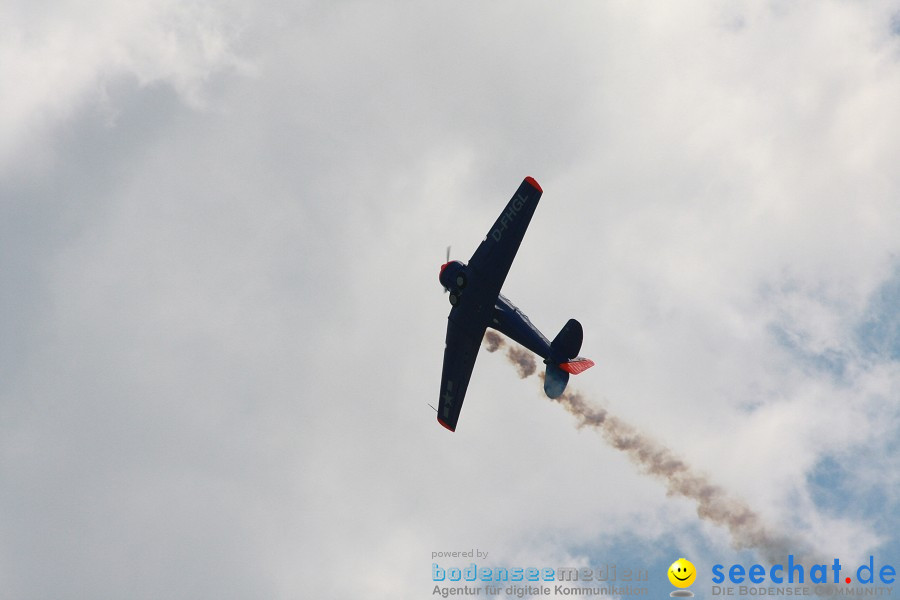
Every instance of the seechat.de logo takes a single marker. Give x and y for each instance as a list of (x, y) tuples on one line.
[(682, 574)]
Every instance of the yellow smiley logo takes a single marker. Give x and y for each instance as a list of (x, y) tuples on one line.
[(682, 573)]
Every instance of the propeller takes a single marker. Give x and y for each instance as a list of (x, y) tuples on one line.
[(445, 262)]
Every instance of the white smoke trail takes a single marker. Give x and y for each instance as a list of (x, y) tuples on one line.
[(713, 503)]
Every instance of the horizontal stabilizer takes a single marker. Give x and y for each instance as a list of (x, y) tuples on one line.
[(577, 365), (555, 381), (567, 342)]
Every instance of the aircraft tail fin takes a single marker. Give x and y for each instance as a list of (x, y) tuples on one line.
[(565, 346), (577, 365)]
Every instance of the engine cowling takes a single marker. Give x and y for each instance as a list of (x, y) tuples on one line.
[(453, 278)]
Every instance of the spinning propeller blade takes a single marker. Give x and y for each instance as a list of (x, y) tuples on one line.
[(445, 262)]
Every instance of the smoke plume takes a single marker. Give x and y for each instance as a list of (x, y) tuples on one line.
[(521, 358), (713, 503), (492, 341)]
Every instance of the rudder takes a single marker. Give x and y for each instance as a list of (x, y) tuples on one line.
[(564, 359)]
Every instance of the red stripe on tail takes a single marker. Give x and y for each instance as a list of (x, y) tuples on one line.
[(577, 365)]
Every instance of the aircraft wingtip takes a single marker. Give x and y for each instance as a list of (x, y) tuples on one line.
[(534, 184), (445, 425)]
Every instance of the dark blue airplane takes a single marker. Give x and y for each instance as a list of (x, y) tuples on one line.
[(478, 304)]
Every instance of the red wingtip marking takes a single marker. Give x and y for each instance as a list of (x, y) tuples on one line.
[(534, 184), (577, 366), (444, 425)]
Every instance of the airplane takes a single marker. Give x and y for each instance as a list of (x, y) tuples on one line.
[(474, 294)]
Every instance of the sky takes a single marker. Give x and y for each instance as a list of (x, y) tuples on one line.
[(221, 225)]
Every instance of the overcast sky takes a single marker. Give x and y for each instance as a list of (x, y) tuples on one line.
[(221, 225)]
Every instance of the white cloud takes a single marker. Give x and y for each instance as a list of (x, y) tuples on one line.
[(233, 316), (60, 59)]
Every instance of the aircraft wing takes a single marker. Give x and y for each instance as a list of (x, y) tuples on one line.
[(494, 256), (460, 353)]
